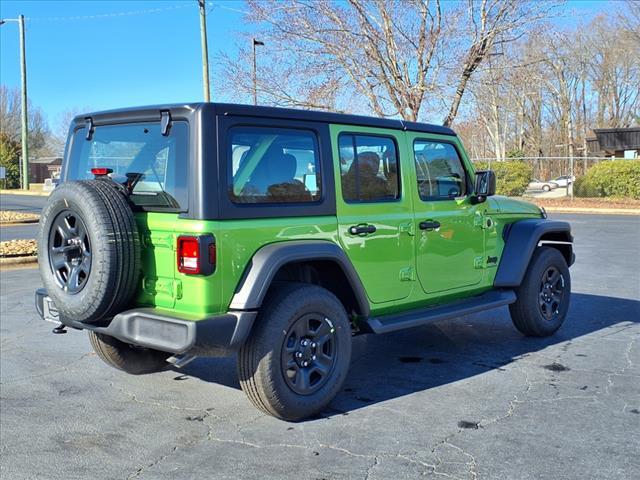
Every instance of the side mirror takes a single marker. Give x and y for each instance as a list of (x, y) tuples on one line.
[(485, 185)]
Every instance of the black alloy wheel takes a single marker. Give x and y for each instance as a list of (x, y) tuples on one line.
[(309, 353), (551, 293), (70, 252)]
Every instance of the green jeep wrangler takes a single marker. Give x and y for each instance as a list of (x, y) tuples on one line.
[(212, 229)]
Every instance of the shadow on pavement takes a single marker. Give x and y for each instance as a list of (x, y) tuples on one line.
[(389, 366)]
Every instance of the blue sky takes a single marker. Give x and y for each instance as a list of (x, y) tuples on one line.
[(81, 56), (113, 61)]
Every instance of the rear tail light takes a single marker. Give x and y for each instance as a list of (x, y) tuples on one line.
[(196, 254)]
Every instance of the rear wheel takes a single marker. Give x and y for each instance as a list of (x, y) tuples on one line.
[(544, 295), (546, 188), (89, 250), (128, 358), (298, 354)]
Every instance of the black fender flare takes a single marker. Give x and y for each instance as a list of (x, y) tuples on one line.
[(522, 239), (266, 262)]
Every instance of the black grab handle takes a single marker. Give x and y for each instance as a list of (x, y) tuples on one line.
[(429, 225), (361, 229)]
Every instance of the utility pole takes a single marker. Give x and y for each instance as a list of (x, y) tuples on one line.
[(24, 163), (255, 71), (25, 118), (571, 148), (205, 51)]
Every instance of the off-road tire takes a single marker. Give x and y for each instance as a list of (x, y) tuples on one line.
[(125, 357), (260, 370), (115, 250), (526, 312)]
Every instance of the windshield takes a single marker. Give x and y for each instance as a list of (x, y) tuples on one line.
[(157, 163)]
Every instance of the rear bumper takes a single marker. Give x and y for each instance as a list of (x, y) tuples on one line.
[(155, 328)]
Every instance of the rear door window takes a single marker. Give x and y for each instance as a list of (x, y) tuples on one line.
[(368, 168), (273, 165)]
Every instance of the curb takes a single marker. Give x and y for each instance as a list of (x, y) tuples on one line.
[(31, 259), (31, 193), (17, 223), (594, 211)]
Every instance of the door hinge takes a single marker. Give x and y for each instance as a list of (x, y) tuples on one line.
[(154, 240), (407, 274), (485, 262), (409, 228), (483, 221), (162, 285)]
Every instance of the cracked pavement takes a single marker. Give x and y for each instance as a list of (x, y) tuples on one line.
[(463, 399)]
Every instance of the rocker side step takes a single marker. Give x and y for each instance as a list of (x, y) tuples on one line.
[(414, 318)]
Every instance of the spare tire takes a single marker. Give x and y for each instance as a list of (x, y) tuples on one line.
[(89, 250)]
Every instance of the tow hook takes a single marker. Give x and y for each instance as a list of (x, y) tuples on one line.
[(180, 361), (60, 329)]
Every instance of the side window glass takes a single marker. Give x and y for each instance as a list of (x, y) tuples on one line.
[(439, 170), (368, 168), (270, 165)]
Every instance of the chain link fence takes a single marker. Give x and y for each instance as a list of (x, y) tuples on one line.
[(562, 177)]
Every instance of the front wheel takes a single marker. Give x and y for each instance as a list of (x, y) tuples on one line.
[(298, 354), (544, 295), (546, 188)]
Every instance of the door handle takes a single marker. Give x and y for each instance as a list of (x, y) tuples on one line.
[(429, 225), (362, 229)]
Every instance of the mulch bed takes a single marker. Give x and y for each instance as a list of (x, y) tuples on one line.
[(18, 248), (9, 217), (595, 203)]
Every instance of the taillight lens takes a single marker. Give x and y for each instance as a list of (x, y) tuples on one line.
[(196, 255), (188, 255)]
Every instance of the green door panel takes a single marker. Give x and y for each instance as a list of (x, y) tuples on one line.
[(450, 257), (383, 259)]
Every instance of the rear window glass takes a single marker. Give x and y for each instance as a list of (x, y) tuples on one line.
[(273, 165), (137, 153)]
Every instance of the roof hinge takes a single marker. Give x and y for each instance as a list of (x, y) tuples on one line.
[(88, 125), (165, 122)]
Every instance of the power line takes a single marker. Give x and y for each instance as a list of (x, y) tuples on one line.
[(213, 5), (110, 15)]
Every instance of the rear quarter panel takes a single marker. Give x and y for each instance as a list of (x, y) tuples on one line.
[(162, 286)]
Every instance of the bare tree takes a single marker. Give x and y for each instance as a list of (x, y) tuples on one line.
[(387, 51), (10, 108), (492, 23), (614, 71), (395, 56)]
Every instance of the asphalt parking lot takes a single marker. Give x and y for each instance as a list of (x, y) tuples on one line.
[(24, 204), (464, 399)]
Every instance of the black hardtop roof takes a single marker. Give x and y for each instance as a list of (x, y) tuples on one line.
[(266, 112)]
